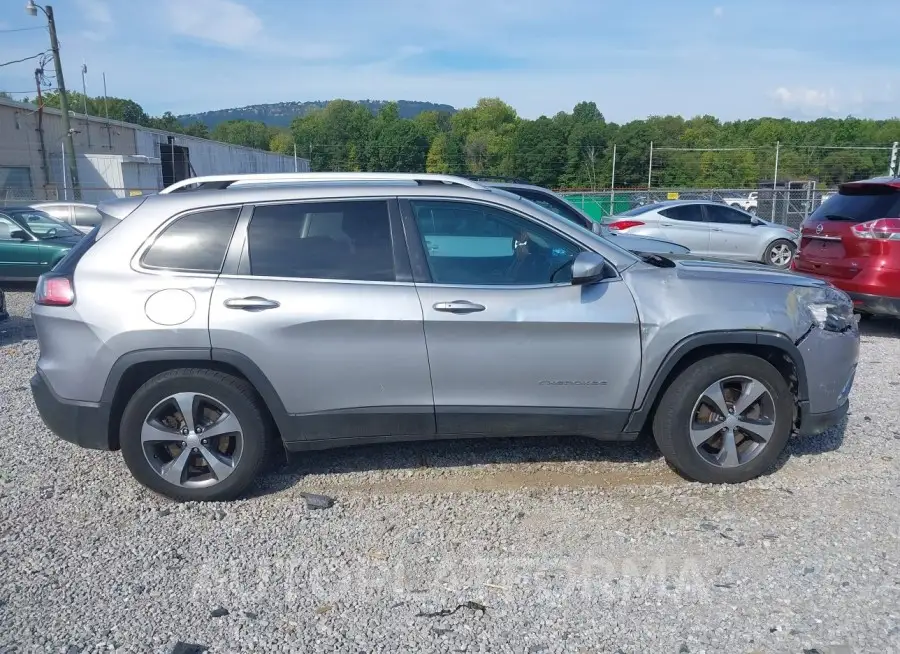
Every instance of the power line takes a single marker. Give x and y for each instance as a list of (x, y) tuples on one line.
[(22, 29), (19, 61)]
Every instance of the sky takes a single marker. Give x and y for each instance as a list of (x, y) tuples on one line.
[(729, 58)]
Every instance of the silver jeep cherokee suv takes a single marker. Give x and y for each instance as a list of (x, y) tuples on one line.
[(195, 329)]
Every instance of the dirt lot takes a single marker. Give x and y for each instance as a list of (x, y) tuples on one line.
[(531, 545)]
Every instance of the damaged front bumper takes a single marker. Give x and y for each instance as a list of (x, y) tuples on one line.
[(830, 359)]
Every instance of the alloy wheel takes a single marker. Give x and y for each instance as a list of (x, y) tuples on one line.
[(780, 255), (732, 421), (192, 440)]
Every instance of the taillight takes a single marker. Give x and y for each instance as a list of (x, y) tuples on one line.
[(52, 291), (883, 229), (620, 225)]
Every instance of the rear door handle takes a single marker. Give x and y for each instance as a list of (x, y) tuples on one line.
[(252, 303), (666, 224), (458, 306), (716, 229)]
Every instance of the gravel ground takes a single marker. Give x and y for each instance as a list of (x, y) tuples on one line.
[(531, 545)]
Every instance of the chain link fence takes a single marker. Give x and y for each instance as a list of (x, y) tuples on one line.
[(785, 206)]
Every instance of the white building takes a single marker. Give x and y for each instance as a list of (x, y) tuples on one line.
[(115, 159)]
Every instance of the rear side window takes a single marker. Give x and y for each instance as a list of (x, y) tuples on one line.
[(858, 204), (349, 240), (692, 213), (196, 242)]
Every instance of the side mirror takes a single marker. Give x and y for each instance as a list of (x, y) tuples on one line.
[(756, 222), (19, 234), (588, 268)]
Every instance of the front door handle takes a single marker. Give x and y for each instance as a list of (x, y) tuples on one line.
[(666, 224), (458, 306), (715, 229), (252, 303)]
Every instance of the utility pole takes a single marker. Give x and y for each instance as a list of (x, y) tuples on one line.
[(893, 172), (87, 124), (650, 169), (69, 143)]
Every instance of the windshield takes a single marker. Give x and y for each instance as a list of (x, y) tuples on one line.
[(584, 230), (43, 225)]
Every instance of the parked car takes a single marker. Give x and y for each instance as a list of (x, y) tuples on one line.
[(748, 204), (853, 241), (547, 199), (31, 243), (712, 229), (326, 315), (83, 216)]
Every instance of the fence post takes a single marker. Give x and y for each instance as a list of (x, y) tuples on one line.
[(612, 188), (650, 168)]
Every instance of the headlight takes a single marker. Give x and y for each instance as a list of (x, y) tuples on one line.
[(832, 310)]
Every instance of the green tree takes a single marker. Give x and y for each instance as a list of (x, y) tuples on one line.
[(249, 133), (198, 129)]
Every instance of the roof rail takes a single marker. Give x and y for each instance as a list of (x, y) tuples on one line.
[(218, 182)]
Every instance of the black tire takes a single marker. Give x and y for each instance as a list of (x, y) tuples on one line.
[(237, 394), (673, 415), (767, 257)]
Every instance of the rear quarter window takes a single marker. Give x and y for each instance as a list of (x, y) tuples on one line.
[(195, 242)]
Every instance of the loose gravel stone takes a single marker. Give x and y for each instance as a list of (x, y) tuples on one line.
[(569, 545)]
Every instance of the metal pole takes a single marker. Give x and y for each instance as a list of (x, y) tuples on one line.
[(87, 125), (295, 157), (62, 148), (612, 190), (106, 111), (63, 102), (777, 155), (650, 169), (894, 152)]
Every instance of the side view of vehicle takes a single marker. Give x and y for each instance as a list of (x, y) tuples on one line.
[(712, 229), (853, 241), (31, 243), (83, 216), (312, 316)]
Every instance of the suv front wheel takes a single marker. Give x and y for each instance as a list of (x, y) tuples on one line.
[(725, 419), (195, 434)]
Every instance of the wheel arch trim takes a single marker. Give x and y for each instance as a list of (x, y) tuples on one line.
[(690, 344)]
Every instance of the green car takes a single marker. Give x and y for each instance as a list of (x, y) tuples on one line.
[(31, 243)]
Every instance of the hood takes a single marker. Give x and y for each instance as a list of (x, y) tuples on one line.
[(646, 244), (697, 267)]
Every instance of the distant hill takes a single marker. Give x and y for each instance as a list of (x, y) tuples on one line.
[(280, 114)]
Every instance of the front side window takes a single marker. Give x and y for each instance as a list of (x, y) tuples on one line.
[(196, 242), (726, 215), (348, 240), (43, 225), (9, 230), (474, 244)]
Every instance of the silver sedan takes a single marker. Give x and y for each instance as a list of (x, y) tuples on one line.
[(712, 229)]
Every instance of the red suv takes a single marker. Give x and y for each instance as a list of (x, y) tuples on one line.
[(853, 241)]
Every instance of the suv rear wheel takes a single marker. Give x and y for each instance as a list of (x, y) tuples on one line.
[(725, 419), (195, 434)]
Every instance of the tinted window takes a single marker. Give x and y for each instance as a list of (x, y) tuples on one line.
[(637, 211), (687, 212), (322, 240), (860, 204), (726, 215), (196, 242), (473, 244), (554, 204)]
